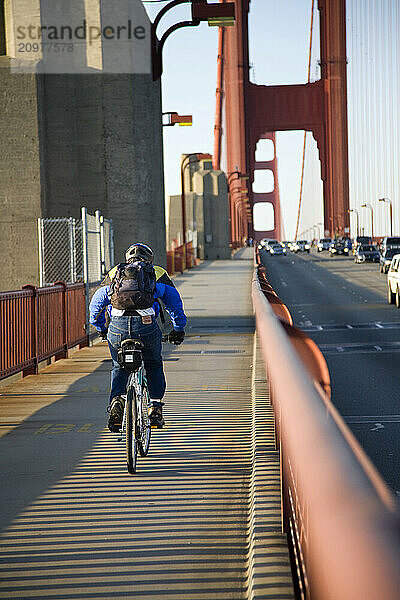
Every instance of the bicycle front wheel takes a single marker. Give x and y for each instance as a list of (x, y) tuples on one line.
[(144, 424), (131, 442)]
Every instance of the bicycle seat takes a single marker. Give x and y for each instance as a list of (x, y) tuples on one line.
[(132, 345)]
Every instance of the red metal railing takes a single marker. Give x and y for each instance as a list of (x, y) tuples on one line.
[(178, 260), (17, 332), (342, 520), (190, 260), (171, 262), (76, 309), (38, 323)]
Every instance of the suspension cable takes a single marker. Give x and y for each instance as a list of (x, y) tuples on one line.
[(305, 132)]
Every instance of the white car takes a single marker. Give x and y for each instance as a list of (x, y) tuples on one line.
[(324, 244), (393, 280), (302, 246), (265, 242)]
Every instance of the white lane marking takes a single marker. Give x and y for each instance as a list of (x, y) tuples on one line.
[(377, 427), (379, 325), (339, 349), (308, 323), (284, 283), (378, 348), (349, 326), (320, 282)]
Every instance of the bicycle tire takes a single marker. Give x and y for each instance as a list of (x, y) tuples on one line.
[(145, 429), (131, 442)]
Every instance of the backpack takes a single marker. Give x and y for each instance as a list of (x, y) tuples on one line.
[(133, 286)]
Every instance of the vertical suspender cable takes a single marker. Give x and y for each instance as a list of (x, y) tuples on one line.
[(305, 133)]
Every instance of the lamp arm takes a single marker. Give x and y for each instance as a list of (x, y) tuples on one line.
[(193, 23), (164, 10), (157, 46)]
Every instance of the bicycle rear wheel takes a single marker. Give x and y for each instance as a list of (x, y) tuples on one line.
[(131, 442), (145, 429)]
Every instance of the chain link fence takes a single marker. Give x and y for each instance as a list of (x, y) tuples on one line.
[(60, 250), (75, 250)]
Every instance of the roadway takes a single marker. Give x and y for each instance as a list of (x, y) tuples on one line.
[(343, 307)]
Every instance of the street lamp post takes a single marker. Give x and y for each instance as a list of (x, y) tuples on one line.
[(221, 15), (185, 163), (391, 211), (372, 217), (354, 210)]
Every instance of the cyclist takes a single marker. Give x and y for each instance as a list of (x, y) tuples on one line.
[(116, 325)]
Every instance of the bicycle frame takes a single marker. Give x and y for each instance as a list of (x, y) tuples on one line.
[(137, 379)]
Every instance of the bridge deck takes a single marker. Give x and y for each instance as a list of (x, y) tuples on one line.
[(192, 522)]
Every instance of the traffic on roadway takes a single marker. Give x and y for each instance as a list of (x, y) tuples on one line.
[(343, 306)]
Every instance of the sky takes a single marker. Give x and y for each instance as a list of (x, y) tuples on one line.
[(279, 38)]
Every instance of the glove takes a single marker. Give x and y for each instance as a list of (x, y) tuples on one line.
[(176, 337), (103, 335)]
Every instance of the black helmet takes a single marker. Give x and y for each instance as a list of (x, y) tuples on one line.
[(139, 252)]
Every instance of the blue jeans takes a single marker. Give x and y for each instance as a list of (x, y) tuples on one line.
[(123, 328)]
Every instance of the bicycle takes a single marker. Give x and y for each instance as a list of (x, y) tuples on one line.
[(135, 421)]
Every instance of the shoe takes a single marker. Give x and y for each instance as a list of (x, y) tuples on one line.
[(116, 410), (155, 414)]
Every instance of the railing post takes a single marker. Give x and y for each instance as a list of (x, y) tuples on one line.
[(34, 369), (41, 255), (64, 352)]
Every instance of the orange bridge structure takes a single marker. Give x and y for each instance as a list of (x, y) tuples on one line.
[(253, 112)]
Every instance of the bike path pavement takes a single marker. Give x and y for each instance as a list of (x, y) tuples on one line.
[(196, 521)]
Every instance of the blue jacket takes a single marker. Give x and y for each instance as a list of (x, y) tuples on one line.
[(165, 291)]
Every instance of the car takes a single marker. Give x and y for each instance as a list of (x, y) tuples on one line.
[(366, 253), (286, 245), (340, 246), (277, 250), (390, 242), (265, 242), (363, 240), (386, 258), (324, 244), (302, 246), (393, 281), (348, 242)]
